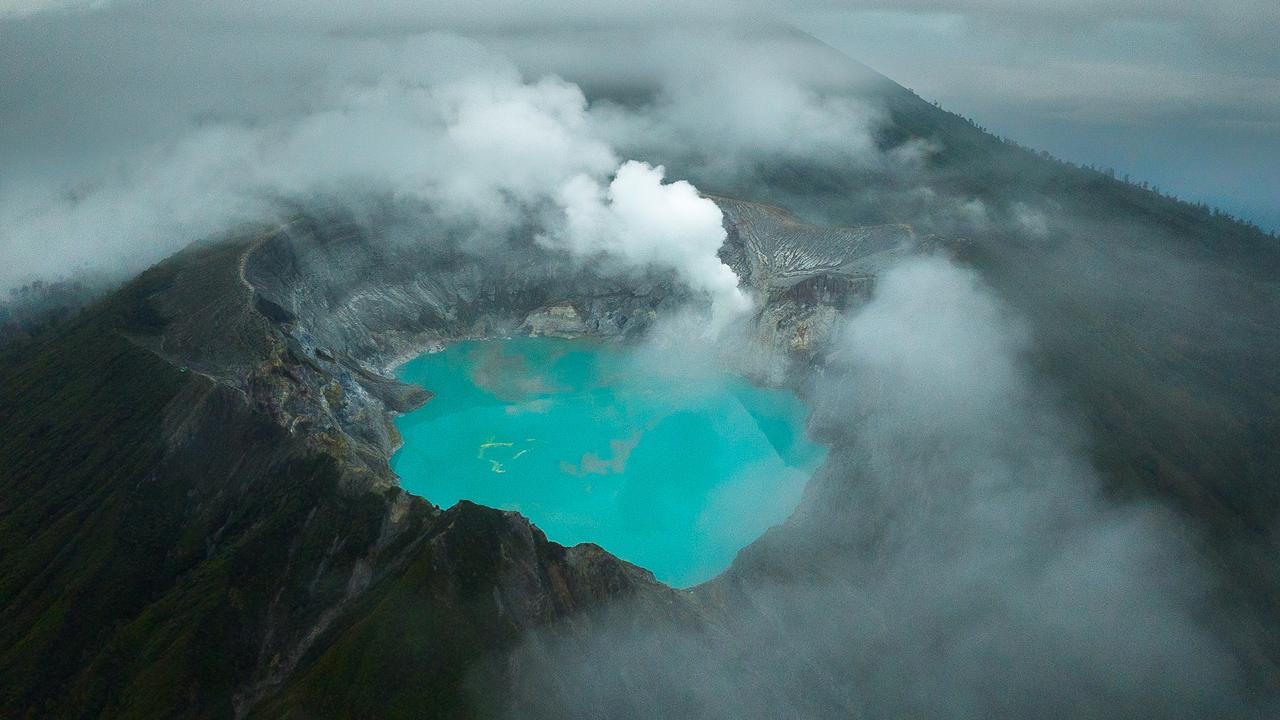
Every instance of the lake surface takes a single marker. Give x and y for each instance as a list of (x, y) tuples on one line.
[(667, 464)]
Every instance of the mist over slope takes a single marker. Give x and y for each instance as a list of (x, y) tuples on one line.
[(952, 560), (1052, 487)]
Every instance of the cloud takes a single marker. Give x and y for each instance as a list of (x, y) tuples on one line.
[(951, 560), (993, 550), (446, 124), (644, 222), (22, 8), (721, 101), (473, 141), (244, 111), (1185, 95)]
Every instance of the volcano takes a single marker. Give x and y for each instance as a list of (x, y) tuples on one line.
[(199, 518)]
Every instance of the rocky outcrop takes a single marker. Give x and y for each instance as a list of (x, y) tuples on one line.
[(555, 321), (307, 319), (806, 276)]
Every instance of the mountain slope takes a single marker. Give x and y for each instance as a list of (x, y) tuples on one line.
[(172, 551)]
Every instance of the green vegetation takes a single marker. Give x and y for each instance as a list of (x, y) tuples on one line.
[(410, 649), (135, 575)]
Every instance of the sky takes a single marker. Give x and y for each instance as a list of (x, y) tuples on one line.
[(1183, 95), (133, 129), (1168, 92)]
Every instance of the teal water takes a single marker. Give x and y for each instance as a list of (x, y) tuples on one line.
[(672, 468)]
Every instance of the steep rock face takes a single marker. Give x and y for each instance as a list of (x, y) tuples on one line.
[(346, 306), (478, 582), (334, 308), (806, 277), (777, 250)]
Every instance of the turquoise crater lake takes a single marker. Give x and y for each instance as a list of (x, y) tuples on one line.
[(669, 467)]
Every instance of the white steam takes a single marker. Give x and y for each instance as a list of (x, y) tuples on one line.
[(642, 221), (446, 125)]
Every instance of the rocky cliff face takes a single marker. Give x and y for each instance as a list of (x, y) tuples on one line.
[(807, 277), (306, 320)]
